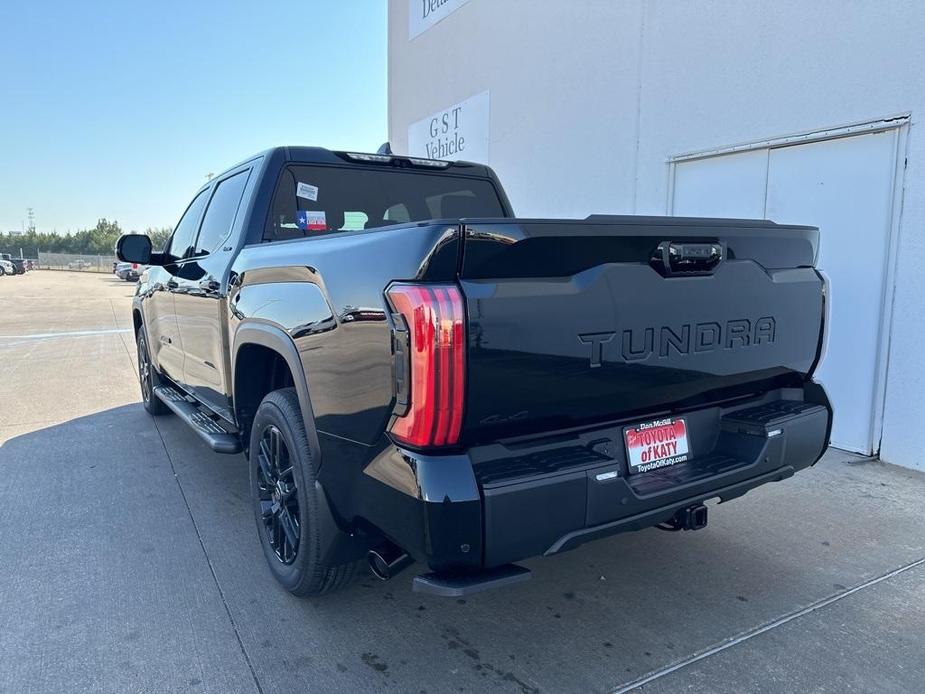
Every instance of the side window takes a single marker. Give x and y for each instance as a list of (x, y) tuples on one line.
[(182, 237), (221, 213)]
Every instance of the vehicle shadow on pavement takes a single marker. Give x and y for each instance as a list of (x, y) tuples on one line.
[(131, 559)]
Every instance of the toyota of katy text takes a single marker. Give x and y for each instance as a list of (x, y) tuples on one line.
[(415, 375)]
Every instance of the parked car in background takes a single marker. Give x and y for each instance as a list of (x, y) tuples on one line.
[(19, 265), (130, 272), (6, 267), (415, 373), (79, 264)]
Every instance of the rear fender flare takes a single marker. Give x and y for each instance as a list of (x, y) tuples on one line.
[(276, 339)]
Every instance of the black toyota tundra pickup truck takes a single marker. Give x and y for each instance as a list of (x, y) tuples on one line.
[(415, 374)]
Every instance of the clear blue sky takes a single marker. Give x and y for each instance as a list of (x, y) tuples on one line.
[(120, 109)]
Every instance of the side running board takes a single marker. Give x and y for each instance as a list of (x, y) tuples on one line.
[(209, 430)]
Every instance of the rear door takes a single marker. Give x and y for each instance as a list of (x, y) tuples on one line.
[(202, 286), (576, 322), (846, 187)]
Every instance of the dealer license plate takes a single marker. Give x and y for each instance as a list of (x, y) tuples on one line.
[(656, 444)]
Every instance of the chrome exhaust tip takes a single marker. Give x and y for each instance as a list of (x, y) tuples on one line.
[(387, 561)]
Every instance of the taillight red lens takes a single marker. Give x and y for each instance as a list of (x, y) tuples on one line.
[(435, 320)]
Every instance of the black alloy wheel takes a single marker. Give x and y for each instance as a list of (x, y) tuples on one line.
[(148, 378), (293, 519), (144, 371), (277, 493)]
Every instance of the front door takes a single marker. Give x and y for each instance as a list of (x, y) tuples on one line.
[(160, 309)]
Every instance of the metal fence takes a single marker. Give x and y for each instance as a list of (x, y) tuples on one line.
[(70, 261)]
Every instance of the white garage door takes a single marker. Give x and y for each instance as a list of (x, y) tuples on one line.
[(845, 186)]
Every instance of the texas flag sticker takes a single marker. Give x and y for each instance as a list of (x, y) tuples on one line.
[(310, 220)]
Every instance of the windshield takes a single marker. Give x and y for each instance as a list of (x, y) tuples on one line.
[(319, 200)]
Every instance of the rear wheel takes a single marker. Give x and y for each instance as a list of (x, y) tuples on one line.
[(287, 500), (148, 378)]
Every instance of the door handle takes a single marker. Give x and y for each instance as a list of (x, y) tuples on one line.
[(172, 284), (210, 284)]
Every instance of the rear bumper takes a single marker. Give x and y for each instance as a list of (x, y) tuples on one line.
[(506, 502), (648, 518)]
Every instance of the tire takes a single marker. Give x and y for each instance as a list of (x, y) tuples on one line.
[(148, 378), (279, 458)]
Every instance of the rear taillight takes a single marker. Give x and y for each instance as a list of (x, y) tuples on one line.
[(431, 372)]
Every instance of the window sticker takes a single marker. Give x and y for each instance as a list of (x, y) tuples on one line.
[(311, 220), (304, 190)]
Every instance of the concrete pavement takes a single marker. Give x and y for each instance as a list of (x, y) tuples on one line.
[(129, 562)]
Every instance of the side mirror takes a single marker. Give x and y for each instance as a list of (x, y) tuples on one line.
[(134, 248)]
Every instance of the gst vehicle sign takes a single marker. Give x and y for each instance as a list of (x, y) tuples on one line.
[(656, 444)]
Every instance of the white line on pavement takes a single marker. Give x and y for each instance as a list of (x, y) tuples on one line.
[(75, 333), (762, 629)]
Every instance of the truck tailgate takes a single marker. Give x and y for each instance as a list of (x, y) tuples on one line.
[(572, 322)]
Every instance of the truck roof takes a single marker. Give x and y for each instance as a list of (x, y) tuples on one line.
[(300, 154)]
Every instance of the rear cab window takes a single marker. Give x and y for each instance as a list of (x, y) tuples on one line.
[(323, 200)]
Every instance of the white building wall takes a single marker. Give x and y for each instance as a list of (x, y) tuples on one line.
[(591, 98)]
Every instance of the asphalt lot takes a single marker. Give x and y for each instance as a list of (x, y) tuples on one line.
[(129, 562)]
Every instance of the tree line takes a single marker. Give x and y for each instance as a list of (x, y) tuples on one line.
[(100, 240)]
